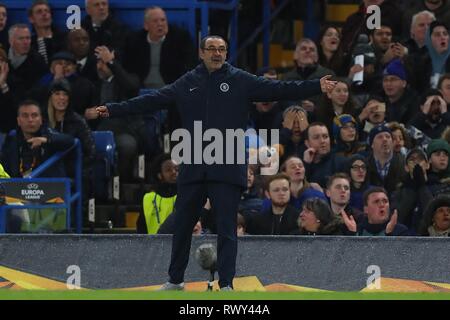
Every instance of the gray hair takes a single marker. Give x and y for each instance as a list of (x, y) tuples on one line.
[(16, 26), (146, 12), (305, 40), (421, 13)]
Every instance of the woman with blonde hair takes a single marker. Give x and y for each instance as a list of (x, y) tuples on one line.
[(63, 119)]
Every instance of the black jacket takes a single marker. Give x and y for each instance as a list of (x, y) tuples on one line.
[(404, 109), (22, 79), (8, 119), (53, 45), (82, 96), (76, 126), (177, 55), (218, 100), (111, 34), (394, 176), (367, 229), (268, 223), (334, 228), (14, 143), (421, 122)]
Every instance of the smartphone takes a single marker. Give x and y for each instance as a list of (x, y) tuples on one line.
[(381, 107)]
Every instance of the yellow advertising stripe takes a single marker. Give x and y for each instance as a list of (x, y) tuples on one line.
[(444, 286), (402, 285), (30, 282)]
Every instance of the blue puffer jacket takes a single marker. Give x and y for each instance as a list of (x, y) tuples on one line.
[(220, 100)]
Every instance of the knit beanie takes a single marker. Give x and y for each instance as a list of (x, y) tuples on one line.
[(436, 145), (395, 68), (376, 130)]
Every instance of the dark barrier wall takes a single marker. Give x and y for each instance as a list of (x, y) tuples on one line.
[(333, 263)]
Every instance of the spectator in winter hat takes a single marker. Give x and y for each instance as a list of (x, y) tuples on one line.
[(385, 166), (401, 101), (346, 135)]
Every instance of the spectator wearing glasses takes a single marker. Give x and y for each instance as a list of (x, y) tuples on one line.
[(359, 181)]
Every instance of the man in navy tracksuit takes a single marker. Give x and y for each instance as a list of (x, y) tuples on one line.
[(218, 95)]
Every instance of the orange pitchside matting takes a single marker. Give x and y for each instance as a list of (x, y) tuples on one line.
[(11, 279)]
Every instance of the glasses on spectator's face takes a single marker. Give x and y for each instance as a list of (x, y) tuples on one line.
[(214, 49), (361, 167)]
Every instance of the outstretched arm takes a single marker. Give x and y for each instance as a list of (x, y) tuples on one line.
[(148, 103), (263, 89)]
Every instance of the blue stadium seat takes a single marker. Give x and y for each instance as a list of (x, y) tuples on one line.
[(105, 167)]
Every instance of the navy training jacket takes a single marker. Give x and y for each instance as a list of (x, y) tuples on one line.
[(220, 100)]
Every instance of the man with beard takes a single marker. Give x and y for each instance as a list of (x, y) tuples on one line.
[(385, 167), (433, 117), (217, 95), (281, 218), (378, 220), (319, 161)]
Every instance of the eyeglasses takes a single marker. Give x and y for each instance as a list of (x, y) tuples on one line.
[(361, 167), (214, 49)]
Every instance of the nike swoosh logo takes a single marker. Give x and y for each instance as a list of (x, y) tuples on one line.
[(192, 89)]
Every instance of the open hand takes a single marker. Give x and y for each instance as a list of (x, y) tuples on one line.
[(349, 221), (392, 222), (308, 155)]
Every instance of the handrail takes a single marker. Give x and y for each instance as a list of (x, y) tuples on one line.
[(51, 161), (77, 195)]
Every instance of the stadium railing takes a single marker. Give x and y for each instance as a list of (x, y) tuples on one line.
[(70, 198)]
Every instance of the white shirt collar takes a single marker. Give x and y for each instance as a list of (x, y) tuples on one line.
[(156, 42)]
